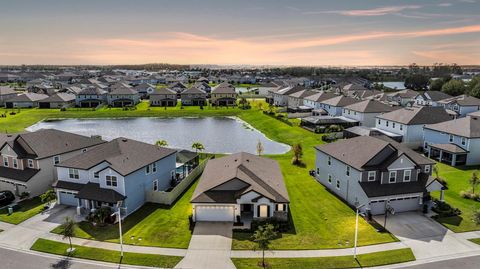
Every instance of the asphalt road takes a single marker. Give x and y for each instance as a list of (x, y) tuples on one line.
[(462, 263), (14, 259)]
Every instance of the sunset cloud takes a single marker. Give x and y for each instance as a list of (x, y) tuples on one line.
[(380, 11)]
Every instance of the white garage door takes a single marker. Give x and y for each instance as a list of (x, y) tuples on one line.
[(214, 213), (401, 204), (68, 198)]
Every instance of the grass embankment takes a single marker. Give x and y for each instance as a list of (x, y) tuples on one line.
[(363, 260), (457, 181), (23, 211), (105, 255)]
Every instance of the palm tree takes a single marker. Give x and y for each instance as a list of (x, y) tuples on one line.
[(197, 146), (297, 153), (436, 171), (262, 236), (68, 231), (161, 143), (474, 181), (259, 148), (48, 196)]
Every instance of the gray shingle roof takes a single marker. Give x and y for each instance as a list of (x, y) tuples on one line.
[(340, 101), (376, 189), (123, 155), (59, 97), (467, 127), (224, 88), (18, 174), (369, 106), (417, 115), (93, 191), (28, 97), (261, 175), (164, 91)]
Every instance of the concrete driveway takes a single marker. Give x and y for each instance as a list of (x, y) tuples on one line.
[(426, 237), (209, 247)]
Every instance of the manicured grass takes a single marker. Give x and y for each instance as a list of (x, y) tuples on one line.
[(105, 255), (320, 219), (457, 181), (23, 211), (476, 241), (363, 260), (151, 225)]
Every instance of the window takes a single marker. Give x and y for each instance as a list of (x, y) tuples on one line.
[(280, 207), (379, 122), (464, 141), (56, 160), (401, 127), (30, 163), (330, 179), (111, 181), (318, 171), (15, 163), (392, 177), (5, 161), (155, 185), (393, 124), (348, 171), (147, 169), (338, 184), (329, 160), (371, 175), (450, 138), (84, 150), (95, 175), (263, 211), (386, 123), (425, 145), (427, 168), (154, 167), (73, 173), (407, 175)]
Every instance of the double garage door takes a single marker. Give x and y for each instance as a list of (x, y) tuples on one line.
[(402, 204), (68, 198), (214, 213)]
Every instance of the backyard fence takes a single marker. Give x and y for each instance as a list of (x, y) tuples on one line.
[(168, 198)]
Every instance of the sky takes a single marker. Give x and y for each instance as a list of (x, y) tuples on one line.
[(246, 32)]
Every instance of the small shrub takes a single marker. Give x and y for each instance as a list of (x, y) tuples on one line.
[(445, 210), (24, 195)]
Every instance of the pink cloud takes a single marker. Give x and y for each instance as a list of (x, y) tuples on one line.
[(380, 11)]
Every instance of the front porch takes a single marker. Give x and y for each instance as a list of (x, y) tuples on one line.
[(450, 154)]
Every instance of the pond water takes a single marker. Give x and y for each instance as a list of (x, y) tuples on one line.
[(217, 134)]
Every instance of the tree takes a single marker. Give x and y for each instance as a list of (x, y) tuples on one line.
[(259, 148), (68, 231), (197, 146), (243, 102), (454, 87), (262, 236), (436, 171), (436, 85), (161, 143), (474, 181), (297, 153), (48, 196), (416, 82), (474, 87)]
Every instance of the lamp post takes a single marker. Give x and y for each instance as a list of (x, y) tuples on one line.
[(356, 233), (119, 203)]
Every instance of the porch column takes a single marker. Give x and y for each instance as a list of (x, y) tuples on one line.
[(429, 151), (454, 159), (440, 156), (79, 206), (442, 193)]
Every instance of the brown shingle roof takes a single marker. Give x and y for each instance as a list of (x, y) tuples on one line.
[(369, 106), (417, 115)]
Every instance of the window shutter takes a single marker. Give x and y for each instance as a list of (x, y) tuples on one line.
[(268, 211), (276, 207), (258, 211)]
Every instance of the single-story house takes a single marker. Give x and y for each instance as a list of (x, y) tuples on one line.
[(26, 100), (58, 100)]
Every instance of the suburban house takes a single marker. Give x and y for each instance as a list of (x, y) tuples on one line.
[(123, 96), (178, 87), (223, 95), (90, 97), (193, 97), (145, 89), (280, 97), (462, 104), (455, 142), (403, 98), (203, 86), (240, 187), (430, 98), (365, 111), (28, 159), (121, 170), (6, 93), (407, 123), (334, 106), (376, 173), (296, 99), (314, 101), (26, 100), (58, 100), (163, 97)]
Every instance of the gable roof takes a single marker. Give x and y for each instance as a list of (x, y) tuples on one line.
[(92, 91), (224, 87), (321, 96), (59, 97), (123, 155), (340, 101), (28, 97), (468, 126), (435, 95), (4, 90), (260, 174), (417, 115), (193, 90), (462, 100), (123, 91), (370, 106)]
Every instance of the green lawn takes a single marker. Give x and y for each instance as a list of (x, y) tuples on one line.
[(23, 211), (363, 260), (457, 181), (476, 241), (151, 225), (104, 255)]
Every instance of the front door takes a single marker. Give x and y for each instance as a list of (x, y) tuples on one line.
[(247, 208)]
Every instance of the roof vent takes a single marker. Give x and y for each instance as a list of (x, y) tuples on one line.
[(124, 140), (474, 118)]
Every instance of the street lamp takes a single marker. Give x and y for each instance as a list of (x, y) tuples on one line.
[(119, 203), (356, 232)]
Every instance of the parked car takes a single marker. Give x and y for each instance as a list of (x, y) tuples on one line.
[(6, 198)]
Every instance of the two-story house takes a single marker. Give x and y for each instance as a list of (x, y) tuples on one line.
[(296, 99), (145, 89), (123, 96), (365, 111), (455, 142), (163, 97), (121, 170), (28, 159), (193, 97), (462, 104), (403, 98), (334, 106), (223, 95), (90, 97), (314, 101), (280, 96), (408, 122), (375, 172), (430, 98)]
